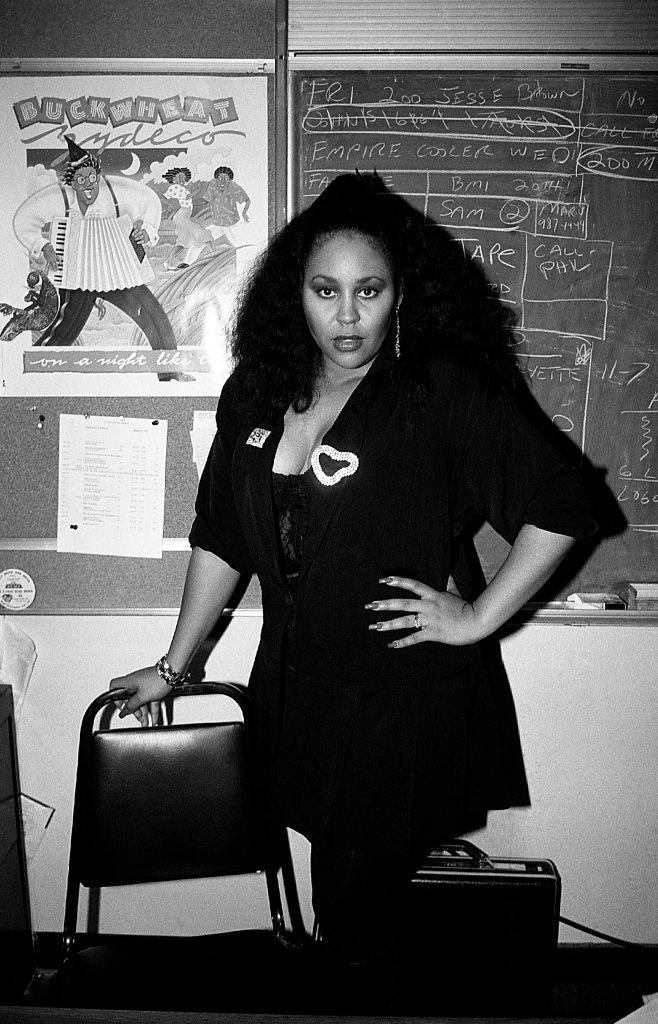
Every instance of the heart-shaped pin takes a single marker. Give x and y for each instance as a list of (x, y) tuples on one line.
[(351, 460)]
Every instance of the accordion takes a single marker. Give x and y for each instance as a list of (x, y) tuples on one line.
[(97, 254)]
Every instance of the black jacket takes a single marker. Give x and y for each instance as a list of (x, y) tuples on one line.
[(371, 744)]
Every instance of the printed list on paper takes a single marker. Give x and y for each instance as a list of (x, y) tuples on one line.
[(111, 485)]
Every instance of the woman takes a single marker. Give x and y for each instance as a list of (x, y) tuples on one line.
[(368, 424)]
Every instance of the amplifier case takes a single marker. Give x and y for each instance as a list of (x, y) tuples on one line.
[(480, 934)]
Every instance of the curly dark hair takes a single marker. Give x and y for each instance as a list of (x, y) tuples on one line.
[(447, 312), (170, 175)]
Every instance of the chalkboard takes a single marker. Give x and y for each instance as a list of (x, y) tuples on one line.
[(550, 183)]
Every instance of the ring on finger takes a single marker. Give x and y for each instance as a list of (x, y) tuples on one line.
[(417, 623)]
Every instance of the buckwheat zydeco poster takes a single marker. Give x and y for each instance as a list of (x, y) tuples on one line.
[(130, 210)]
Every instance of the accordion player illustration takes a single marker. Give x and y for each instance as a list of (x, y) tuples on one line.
[(94, 248)]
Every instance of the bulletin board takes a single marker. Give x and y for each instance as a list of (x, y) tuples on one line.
[(207, 133), (549, 181)]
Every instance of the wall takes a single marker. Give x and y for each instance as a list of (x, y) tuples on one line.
[(585, 696), (204, 29), (588, 714)]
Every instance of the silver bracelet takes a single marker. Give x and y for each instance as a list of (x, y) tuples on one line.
[(170, 676)]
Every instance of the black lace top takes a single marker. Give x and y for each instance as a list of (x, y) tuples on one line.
[(291, 507)]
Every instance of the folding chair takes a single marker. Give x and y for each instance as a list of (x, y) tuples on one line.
[(166, 803)]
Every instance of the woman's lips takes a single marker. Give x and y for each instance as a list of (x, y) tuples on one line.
[(348, 342)]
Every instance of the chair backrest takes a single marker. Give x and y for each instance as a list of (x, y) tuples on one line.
[(171, 802)]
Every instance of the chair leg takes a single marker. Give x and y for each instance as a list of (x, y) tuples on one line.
[(292, 894)]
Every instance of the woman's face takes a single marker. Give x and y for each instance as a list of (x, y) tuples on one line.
[(348, 297)]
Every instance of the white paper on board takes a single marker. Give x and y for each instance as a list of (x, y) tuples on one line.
[(111, 485)]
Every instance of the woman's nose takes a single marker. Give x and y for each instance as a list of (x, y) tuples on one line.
[(347, 311)]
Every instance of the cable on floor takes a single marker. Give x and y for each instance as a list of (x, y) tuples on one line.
[(601, 935)]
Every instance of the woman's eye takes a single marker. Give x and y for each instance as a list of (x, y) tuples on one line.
[(325, 293), (368, 292)]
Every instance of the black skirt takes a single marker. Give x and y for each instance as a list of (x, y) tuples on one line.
[(393, 765)]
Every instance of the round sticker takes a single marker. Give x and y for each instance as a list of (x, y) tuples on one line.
[(17, 589)]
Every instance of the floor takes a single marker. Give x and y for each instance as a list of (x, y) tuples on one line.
[(602, 980), (596, 983)]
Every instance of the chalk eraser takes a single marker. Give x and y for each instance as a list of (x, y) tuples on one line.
[(643, 596), (596, 601)]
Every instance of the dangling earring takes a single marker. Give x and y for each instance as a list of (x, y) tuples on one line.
[(397, 332)]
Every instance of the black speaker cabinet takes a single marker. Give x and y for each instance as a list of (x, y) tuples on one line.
[(480, 935)]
